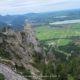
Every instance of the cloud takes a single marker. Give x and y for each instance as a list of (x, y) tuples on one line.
[(26, 6)]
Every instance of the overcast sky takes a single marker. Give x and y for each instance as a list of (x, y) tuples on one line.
[(28, 6)]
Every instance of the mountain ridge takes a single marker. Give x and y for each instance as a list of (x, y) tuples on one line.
[(18, 21)]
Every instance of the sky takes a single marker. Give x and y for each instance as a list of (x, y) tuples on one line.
[(13, 7)]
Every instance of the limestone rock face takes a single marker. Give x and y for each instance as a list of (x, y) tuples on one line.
[(9, 74), (21, 43), (20, 46), (31, 39)]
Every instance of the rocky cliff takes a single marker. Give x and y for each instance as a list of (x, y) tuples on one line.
[(17, 49), (9, 74)]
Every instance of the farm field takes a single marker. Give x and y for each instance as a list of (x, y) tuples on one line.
[(59, 36)]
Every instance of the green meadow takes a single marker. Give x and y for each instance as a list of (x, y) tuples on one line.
[(58, 35)]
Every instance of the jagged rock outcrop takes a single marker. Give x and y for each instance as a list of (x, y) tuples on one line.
[(19, 47), (9, 74)]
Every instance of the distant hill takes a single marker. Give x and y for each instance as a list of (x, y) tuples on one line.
[(17, 21), (2, 25)]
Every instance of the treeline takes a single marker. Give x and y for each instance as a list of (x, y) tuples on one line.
[(60, 66)]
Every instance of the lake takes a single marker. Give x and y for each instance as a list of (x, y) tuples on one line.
[(65, 22)]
